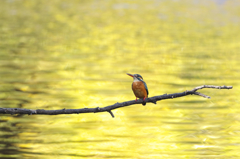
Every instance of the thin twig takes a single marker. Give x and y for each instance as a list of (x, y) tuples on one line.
[(111, 107)]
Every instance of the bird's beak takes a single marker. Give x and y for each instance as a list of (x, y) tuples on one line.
[(129, 74)]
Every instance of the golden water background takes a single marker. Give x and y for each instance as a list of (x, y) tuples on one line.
[(75, 54)]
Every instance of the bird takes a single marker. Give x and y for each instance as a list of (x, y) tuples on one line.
[(139, 87)]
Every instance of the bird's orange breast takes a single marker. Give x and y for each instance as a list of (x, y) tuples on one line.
[(139, 89)]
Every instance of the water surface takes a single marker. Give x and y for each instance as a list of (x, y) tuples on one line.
[(71, 54)]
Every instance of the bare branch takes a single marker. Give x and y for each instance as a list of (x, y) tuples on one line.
[(211, 86), (111, 113), (111, 107), (200, 94)]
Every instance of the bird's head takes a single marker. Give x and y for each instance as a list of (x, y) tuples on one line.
[(136, 77)]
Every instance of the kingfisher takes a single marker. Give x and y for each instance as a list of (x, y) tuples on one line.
[(139, 87)]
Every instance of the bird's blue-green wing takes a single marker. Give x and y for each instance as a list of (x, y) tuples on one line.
[(140, 79), (146, 87)]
